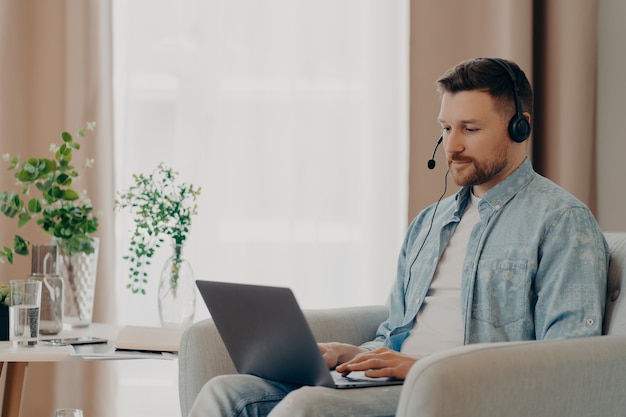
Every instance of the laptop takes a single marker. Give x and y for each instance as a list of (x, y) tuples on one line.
[(266, 334)]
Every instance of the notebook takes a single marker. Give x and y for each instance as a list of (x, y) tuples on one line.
[(148, 339), (266, 334)]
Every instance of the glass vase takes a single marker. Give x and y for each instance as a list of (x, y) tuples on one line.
[(44, 268), (78, 271), (177, 291)]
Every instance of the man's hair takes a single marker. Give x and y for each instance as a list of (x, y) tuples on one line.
[(486, 75)]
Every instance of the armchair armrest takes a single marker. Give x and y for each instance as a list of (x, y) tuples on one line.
[(568, 378), (202, 354)]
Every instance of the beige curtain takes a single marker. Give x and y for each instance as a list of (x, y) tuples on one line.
[(56, 75), (553, 41)]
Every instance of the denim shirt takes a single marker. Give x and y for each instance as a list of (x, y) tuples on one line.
[(535, 266)]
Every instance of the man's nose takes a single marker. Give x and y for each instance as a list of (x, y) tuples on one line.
[(453, 142)]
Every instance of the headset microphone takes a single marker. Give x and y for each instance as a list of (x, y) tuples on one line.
[(431, 161)]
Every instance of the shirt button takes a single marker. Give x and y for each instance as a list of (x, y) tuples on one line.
[(590, 322), (614, 295), (498, 206)]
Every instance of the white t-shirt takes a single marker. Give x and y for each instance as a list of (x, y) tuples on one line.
[(439, 324)]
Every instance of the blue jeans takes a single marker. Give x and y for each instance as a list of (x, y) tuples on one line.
[(250, 396)]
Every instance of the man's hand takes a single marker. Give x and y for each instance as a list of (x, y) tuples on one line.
[(378, 363), (337, 353)]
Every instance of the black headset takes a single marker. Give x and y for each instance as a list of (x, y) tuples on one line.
[(519, 127)]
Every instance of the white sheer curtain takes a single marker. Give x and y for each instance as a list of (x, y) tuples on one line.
[(292, 117)]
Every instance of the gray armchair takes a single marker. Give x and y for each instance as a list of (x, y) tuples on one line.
[(569, 378)]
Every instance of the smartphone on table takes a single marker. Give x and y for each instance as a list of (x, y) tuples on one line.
[(82, 340)]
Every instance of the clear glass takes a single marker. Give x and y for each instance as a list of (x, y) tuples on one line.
[(78, 271), (44, 269), (177, 291), (51, 314), (24, 303), (68, 412)]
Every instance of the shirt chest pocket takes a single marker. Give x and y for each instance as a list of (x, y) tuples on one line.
[(501, 292)]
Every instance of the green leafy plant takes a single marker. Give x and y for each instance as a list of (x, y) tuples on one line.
[(160, 207), (4, 295), (60, 211)]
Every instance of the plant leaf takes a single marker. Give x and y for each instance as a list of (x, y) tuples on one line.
[(20, 246), (34, 205), (69, 195), (23, 218)]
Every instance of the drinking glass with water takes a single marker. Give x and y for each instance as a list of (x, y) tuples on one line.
[(24, 303)]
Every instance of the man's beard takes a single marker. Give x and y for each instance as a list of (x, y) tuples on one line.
[(477, 173)]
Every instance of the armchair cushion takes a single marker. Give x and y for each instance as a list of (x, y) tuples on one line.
[(615, 315)]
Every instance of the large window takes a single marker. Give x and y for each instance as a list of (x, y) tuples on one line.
[(292, 117)]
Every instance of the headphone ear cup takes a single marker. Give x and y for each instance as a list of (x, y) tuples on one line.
[(519, 128)]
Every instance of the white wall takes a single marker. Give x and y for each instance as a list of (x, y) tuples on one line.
[(611, 123)]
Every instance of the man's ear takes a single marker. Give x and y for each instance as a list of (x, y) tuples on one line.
[(527, 117)]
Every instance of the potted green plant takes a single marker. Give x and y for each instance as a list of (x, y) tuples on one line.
[(4, 312), (162, 208), (59, 210)]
